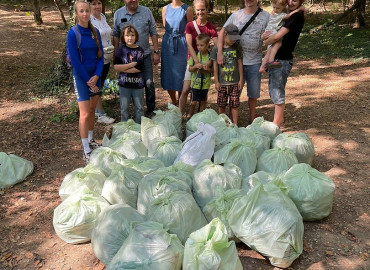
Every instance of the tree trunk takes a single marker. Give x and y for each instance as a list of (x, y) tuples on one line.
[(360, 13), (37, 12), (61, 13), (356, 5), (70, 4), (226, 9)]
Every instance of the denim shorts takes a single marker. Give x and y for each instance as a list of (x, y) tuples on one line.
[(277, 81), (253, 78)]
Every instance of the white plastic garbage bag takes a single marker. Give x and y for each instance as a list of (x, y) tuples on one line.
[(267, 221), (165, 149), (220, 206), (311, 191), (154, 185), (299, 143), (111, 229), (144, 165), (13, 169), (149, 247), (121, 185), (276, 160), (178, 212), (266, 127), (74, 218), (198, 146), (208, 177), (209, 248), (91, 176), (151, 130), (104, 157), (239, 152)]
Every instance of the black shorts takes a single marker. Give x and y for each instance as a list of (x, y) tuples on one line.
[(199, 95)]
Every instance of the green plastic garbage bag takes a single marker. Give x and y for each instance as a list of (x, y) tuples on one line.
[(178, 212), (144, 165), (172, 115), (208, 116), (299, 143), (130, 146), (179, 171), (165, 149), (151, 130), (208, 177), (311, 191), (268, 221), (220, 206), (266, 127), (13, 169), (111, 229), (104, 157), (154, 185), (276, 160), (259, 177), (125, 127), (260, 140), (225, 130), (210, 248), (121, 185), (149, 247), (239, 152), (74, 218), (91, 176)]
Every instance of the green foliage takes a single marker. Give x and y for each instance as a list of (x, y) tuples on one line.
[(73, 110), (56, 117)]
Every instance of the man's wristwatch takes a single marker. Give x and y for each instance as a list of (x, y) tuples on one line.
[(156, 51)]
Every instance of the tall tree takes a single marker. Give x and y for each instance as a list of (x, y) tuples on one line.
[(37, 12)]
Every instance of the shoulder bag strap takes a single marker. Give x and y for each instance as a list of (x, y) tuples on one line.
[(250, 21), (196, 27)]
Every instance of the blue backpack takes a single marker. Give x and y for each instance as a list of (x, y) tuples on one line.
[(78, 39)]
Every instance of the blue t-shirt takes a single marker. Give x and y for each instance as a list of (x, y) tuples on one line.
[(126, 55), (91, 65)]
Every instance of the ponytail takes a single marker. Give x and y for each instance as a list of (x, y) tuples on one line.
[(95, 35)]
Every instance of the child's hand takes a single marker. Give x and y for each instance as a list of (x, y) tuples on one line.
[(198, 66), (218, 86), (266, 35)]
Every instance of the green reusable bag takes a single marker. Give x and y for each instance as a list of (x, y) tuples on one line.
[(210, 248), (178, 212), (144, 165), (121, 185), (276, 160), (311, 191), (149, 247), (74, 218), (165, 149), (266, 127), (13, 169), (208, 177), (239, 152), (299, 143), (267, 221), (90, 175), (111, 229)]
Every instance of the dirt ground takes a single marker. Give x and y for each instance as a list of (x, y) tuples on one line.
[(329, 101)]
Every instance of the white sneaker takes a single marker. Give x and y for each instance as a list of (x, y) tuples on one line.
[(104, 119)]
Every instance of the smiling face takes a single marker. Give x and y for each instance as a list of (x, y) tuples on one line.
[(96, 7), (251, 3), (201, 11), (294, 4), (82, 13)]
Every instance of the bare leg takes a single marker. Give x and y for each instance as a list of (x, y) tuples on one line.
[(264, 60), (83, 124), (91, 118), (273, 50), (279, 114), (172, 94), (192, 108), (203, 105), (252, 104), (184, 96), (234, 114), (221, 110)]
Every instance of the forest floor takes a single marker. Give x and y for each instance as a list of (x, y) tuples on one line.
[(328, 100)]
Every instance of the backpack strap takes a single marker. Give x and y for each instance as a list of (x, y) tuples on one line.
[(196, 27), (250, 21), (77, 32)]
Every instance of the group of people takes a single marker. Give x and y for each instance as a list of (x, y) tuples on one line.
[(187, 57)]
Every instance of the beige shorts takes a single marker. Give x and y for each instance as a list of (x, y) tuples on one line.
[(187, 76)]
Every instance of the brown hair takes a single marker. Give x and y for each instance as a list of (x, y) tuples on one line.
[(130, 28), (205, 2), (92, 28), (203, 37)]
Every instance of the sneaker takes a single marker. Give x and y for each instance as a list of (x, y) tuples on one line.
[(93, 144), (104, 119), (274, 64), (86, 157)]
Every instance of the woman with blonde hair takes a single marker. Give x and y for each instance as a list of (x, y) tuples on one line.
[(84, 47)]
